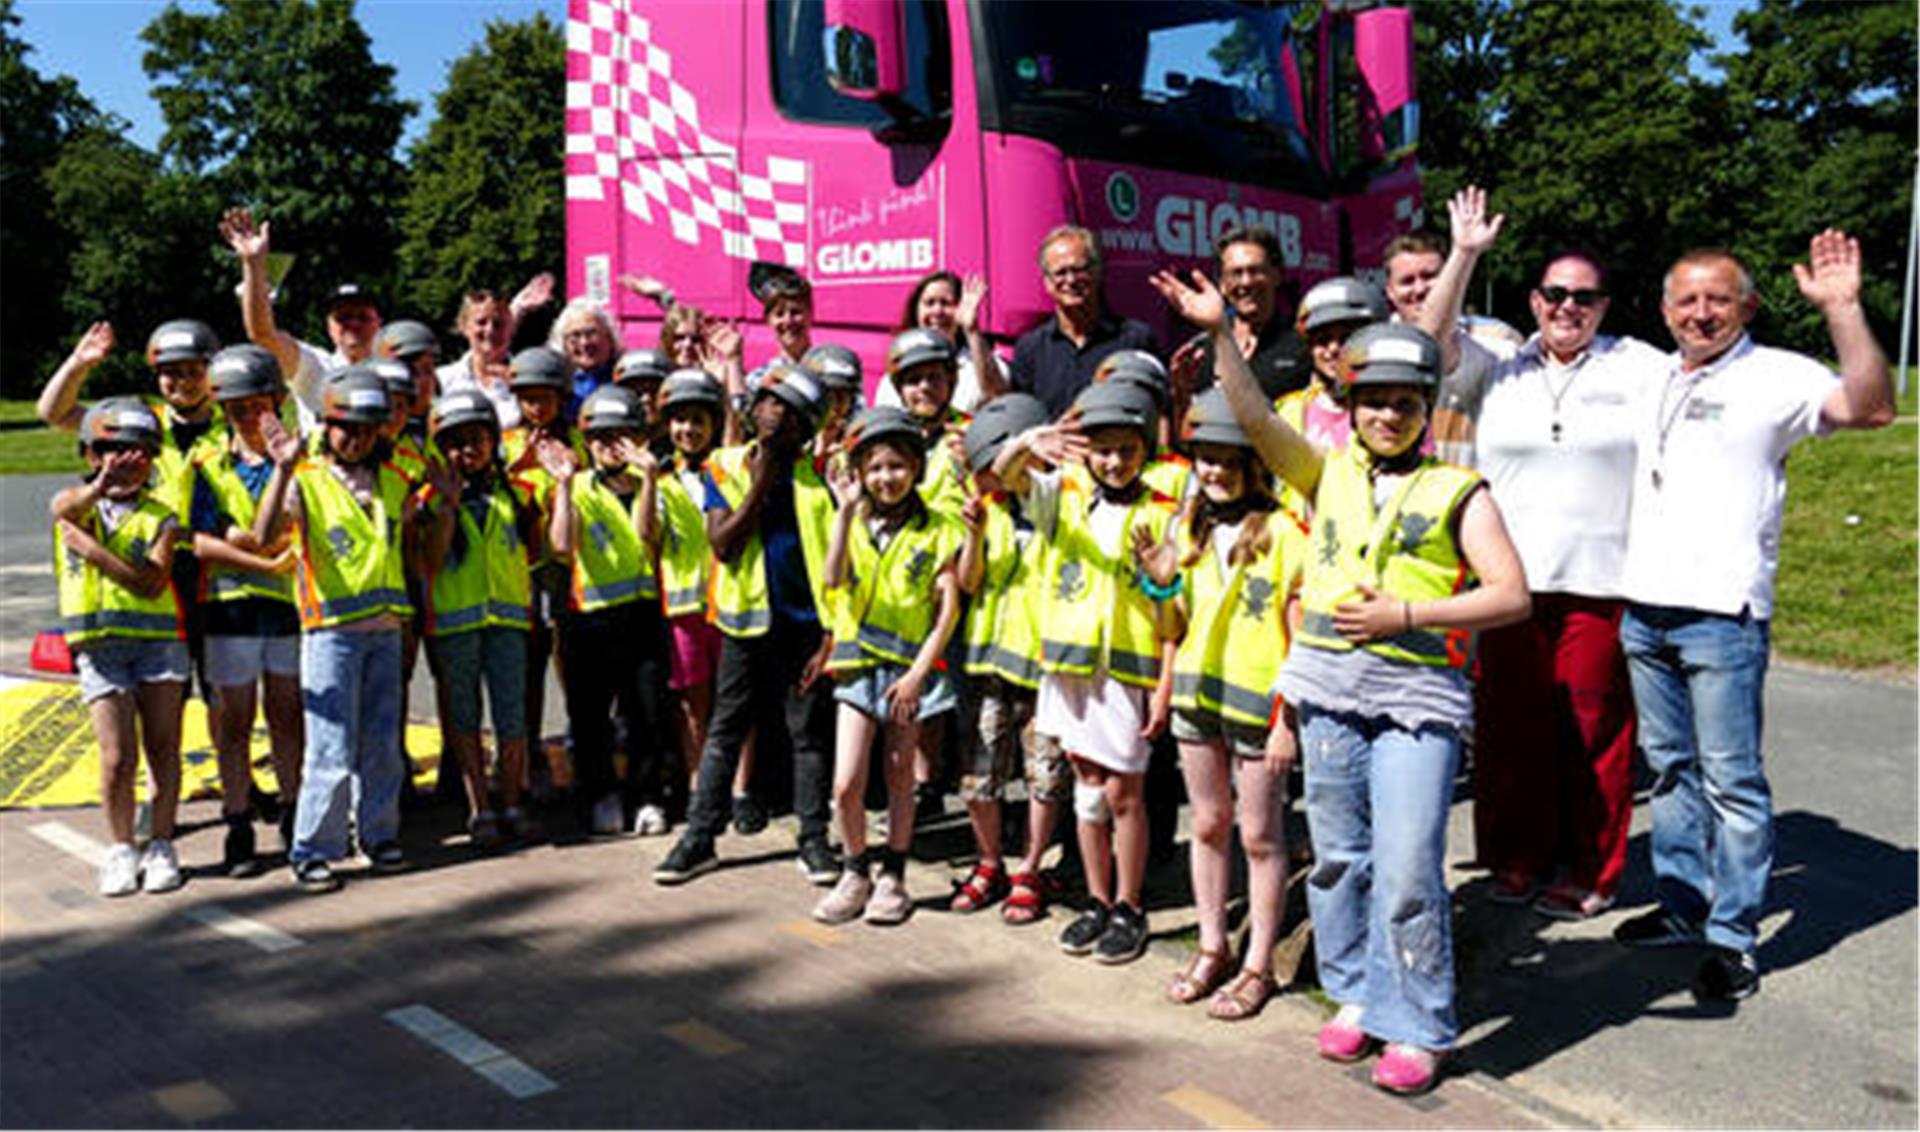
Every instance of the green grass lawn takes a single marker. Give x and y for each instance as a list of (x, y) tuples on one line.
[(1848, 578)]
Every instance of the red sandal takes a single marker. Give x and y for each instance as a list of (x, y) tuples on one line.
[(983, 886), (1026, 902)]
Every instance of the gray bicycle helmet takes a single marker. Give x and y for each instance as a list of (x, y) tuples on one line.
[(245, 371)]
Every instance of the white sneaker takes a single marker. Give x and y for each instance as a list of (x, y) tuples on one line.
[(651, 821), (847, 900), (161, 866), (890, 902), (607, 818), (120, 872)]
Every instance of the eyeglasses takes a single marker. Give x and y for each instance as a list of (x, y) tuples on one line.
[(1069, 271), (1554, 294)]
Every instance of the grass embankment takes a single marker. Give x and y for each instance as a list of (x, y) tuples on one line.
[(1848, 579)]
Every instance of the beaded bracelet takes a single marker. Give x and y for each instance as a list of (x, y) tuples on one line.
[(1159, 592)]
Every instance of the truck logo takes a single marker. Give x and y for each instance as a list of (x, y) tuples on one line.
[(1188, 226), (865, 256), (1123, 197)]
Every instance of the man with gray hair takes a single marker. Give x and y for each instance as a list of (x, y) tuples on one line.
[(1055, 360)]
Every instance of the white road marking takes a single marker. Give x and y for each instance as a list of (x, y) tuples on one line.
[(70, 841), (511, 1075), (266, 937)]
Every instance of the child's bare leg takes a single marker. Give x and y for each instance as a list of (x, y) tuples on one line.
[(1096, 836), (513, 769), (1263, 834), (853, 734), (232, 727), (690, 722), (116, 732), (1204, 765), (901, 759), (160, 706), (743, 773), (1125, 797), (287, 734)]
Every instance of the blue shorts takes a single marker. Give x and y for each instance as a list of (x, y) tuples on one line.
[(121, 664), (864, 690)]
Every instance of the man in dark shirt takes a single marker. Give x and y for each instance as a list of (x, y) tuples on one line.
[(1249, 277), (1055, 360)]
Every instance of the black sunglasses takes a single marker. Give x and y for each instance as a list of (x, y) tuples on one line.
[(1555, 294)]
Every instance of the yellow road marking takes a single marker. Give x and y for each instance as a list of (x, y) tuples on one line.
[(703, 1039), (813, 933), (194, 1102), (1212, 1111)]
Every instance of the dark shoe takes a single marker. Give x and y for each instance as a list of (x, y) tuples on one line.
[(748, 817), (484, 829), (1726, 975), (1656, 928), (238, 856), (388, 857), (1125, 938), (689, 857), (266, 807), (315, 877), (819, 861), (929, 803), (286, 828), (1085, 931)]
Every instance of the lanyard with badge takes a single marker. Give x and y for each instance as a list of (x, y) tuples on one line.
[(1665, 421)]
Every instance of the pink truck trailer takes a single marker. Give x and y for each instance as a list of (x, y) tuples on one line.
[(867, 142)]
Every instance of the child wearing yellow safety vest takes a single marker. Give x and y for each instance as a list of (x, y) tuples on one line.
[(1107, 677), (405, 445), (246, 594), (350, 515), (1236, 561), (1001, 566), (769, 512), (1377, 677), (540, 381), (113, 545), (693, 406), (480, 530), (890, 565), (613, 636)]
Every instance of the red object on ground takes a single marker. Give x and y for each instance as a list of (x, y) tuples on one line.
[(50, 653)]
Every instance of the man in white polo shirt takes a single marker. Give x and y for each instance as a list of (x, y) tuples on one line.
[(1702, 550)]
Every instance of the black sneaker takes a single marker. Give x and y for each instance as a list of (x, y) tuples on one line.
[(1125, 938), (748, 817), (1656, 928), (315, 877), (689, 857), (1085, 931), (819, 861), (238, 857), (388, 857), (1726, 975)]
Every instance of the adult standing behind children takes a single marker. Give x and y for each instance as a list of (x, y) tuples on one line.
[(585, 335), (941, 302), (1055, 360), (1703, 544)]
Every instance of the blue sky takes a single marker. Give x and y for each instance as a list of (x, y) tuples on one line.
[(98, 43)]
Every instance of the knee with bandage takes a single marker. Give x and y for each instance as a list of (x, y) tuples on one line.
[(1090, 804)]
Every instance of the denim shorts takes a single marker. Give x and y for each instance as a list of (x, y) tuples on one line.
[(234, 661), (497, 655), (1244, 740), (119, 664), (864, 690)]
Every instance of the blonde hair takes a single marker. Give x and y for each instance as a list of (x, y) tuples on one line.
[(681, 320)]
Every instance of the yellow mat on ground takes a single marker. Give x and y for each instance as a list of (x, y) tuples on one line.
[(48, 757)]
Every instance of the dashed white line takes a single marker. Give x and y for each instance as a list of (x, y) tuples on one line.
[(511, 1075), (266, 937), (70, 841)]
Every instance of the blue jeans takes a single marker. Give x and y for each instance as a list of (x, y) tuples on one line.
[(351, 687), (1697, 681), (1377, 800)]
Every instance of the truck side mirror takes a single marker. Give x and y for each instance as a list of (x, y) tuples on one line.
[(1383, 51), (865, 46)]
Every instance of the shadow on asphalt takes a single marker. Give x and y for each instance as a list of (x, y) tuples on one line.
[(1549, 994), (590, 1003)]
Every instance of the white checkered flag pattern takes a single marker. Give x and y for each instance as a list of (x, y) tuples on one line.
[(633, 129)]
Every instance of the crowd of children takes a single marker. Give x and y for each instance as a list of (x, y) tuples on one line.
[(711, 555)]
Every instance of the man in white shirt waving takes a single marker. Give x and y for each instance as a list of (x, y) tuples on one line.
[(1702, 550)]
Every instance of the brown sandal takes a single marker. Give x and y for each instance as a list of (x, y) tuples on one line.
[(1242, 998), (1207, 970)]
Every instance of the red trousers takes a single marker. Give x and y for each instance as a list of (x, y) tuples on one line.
[(1553, 744)]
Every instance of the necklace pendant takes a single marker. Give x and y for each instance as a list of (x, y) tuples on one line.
[(1556, 432), (1656, 479)]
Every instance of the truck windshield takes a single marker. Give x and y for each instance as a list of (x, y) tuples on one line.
[(1198, 86)]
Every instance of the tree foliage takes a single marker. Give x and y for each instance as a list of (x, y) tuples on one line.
[(279, 104), (486, 205)]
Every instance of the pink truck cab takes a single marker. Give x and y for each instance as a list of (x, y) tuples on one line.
[(867, 142)]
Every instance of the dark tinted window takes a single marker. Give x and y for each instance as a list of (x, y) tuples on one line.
[(797, 48)]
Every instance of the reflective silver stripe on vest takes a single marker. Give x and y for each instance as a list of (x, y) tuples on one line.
[(610, 593), (745, 623), (1419, 642), (1133, 664), (249, 584), (688, 598), (104, 620), (890, 644), (371, 601), (848, 653), (513, 614), (1187, 685), (991, 658), (458, 619), (1059, 655)]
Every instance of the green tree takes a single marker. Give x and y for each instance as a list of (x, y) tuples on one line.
[(1461, 60), (1822, 101), (38, 116), (279, 104), (487, 202)]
